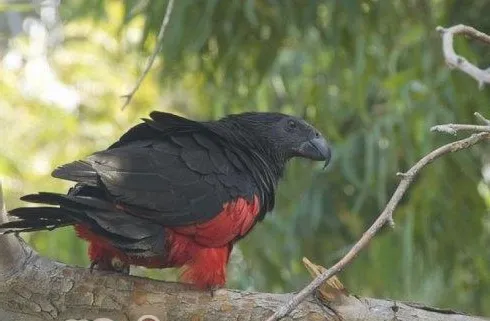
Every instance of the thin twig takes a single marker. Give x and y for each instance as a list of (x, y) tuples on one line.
[(454, 128), (456, 61), (481, 118), (153, 56), (384, 217)]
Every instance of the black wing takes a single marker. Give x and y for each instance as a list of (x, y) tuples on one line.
[(183, 178)]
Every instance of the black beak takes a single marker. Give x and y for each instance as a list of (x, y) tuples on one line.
[(315, 149)]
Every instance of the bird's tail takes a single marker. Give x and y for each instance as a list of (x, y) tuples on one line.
[(32, 219), (83, 206), (68, 211)]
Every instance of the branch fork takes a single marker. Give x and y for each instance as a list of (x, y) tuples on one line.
[(455, 61)]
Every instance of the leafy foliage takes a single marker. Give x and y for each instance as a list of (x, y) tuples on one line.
[(368, 73)]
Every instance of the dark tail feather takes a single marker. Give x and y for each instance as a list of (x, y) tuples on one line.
[(70, 201), (78, 171), (124, 231), (70, 210), (36, 219)]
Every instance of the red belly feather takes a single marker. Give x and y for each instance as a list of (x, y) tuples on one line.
[(203, 248), (234, 221)]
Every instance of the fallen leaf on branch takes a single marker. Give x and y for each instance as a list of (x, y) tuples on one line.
[(332, 290)]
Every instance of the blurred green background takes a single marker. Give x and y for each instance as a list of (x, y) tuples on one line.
[(369, 74)]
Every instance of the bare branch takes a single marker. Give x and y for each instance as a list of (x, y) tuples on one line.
[(453, 129), (385, 217), (157, 49), (456, 61)]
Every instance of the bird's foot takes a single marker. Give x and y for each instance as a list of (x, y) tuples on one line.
[(212, 290), (113, 265), (93, 265), (119, 266)]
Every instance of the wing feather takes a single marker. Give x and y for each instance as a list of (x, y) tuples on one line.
[(184, 179)]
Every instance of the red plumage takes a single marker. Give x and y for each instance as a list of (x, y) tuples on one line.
[(203, 249)]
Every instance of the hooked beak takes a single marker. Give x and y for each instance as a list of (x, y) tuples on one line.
[(315, 149)]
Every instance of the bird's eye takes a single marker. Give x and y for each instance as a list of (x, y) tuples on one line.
[(291, 124)]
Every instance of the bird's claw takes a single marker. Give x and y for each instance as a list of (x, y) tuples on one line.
[(213, 289), (113, 265), (93, 265)]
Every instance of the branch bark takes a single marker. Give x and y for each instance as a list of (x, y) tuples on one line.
[(41, 290)]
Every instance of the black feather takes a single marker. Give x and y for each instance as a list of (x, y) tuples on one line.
[(78, 171)]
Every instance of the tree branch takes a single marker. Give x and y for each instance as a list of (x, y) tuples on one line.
[(453, 129), (153, 56), (383, 218), (455, 61), (45, 290)]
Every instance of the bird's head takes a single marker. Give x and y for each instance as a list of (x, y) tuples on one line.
[(282, 135)]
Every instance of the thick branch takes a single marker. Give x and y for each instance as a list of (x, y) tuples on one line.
[(456, 61), (45, 290)]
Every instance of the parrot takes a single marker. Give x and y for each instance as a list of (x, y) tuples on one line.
[(174, 192)]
